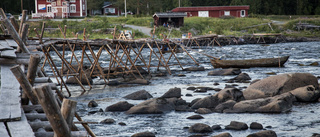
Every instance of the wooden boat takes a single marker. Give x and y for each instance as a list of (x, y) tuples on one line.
[(264, 62)]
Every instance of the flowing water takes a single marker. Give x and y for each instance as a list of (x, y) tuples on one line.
[(302, 120)]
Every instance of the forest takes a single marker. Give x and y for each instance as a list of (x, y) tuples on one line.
[(147, 7)]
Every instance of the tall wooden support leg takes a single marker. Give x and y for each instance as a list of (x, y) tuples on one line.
[(24, 83), (68, 109), (23, 20), (152, 51), (52, 110), (96, 62), (14, 23), (128, 57)]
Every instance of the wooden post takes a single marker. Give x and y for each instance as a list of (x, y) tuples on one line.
[(23, 19), (2, 13), (24, 32), (52, 110), (4, 30), (15, 35), (14, 23), (42, 30), (68, 109), (33, 67), (24, 83)]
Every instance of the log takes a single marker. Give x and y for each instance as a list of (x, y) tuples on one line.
[(23, 19), (14, 61), (14, 23), (42, 80), (30, 108), (41, 124), (8, 54), (33, 67), (24, 32), (68, 109), (15, 35), (24, 83), (52, 110), (36, 116)]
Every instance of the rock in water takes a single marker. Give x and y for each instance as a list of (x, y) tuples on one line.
[(194, 69), (306, 93), (154, 106), (226, 134), (144, 134), (264, 133), (139, 95), (173, 92), (235, 125), (120, 106), (276, 85), (107, 121), (92, 104), (200, 128), (223, 72), (255, 125)]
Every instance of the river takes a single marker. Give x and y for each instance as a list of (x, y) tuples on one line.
[(302, 120)]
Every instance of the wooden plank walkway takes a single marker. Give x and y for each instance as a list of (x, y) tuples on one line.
[(3, 130), (10, 107), (20, 128)]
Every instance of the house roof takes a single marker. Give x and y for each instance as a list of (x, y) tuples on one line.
[(106, 4), (170, 14), (210, 8)]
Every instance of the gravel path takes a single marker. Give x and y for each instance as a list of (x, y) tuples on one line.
[(144, 30)]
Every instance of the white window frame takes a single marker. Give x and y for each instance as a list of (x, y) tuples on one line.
[(227, 13), (49, 10), (83, 7), (73, 10), (109, 10), (65, 10), (203, 13), (244, 13), (72, 0), (64, 3), (49, 0)]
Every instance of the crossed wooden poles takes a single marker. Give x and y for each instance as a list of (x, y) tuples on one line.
[(122, 55)]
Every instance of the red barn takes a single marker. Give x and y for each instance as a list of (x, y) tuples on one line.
[(60, 8), (214, 11)]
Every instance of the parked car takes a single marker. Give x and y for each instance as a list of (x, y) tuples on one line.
[(7, 14), (20, 17)]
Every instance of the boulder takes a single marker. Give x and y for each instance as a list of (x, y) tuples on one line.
[(225, 105), (200, 90), (264, 133), (255, 125), (306, 93), (235, 125), (203, 111), (138, 81), (277, 104), (92, 104), (220, 97), (107, 121), (154, 106), (194, 69), (113, 83), (84, 81), (144, 134), (276, 85), (225, 134), (195, 117), (191, 88), (242, 77), (223, 72), (120, 106), (173, 92), (139, 95), (216, 127), (200, 128), (122, 124)]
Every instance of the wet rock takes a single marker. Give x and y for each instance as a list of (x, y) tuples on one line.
[(229, 86), (242, 77), (277, 104), (220, 97), (200, 128), (92, 104), (226, 105), (271, 73), (154, 106), (139, 95), (216, 84), (217, 89), (223, 72), (173, 92), (235, 125), (201, 90), (194, 101), (84, 81), (138, 81), (144, 134), (191, 88), (195, 117), (189, 95), (225, 134), (181, 75), (255, 125), (268, 126), (194, 69), (254, 81), (161, 75), (306, 94), (108, 121), (120, 106), (95, 111), (122, 124), (113, 83), (276, 85), (315, 135), (264, 133), (203, 111), (314, 64), (216, 127)]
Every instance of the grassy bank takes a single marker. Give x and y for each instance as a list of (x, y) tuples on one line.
[(102, 27)]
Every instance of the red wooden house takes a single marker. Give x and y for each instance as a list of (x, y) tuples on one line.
[(109, 9), (214, 11), (60, 8)]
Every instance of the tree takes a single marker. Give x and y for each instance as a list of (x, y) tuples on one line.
[(94, 4)]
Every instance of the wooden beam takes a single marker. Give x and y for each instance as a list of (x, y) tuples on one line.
[(20, 128), (68, 109), (23, 19), (52, 110), (3, 130)]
